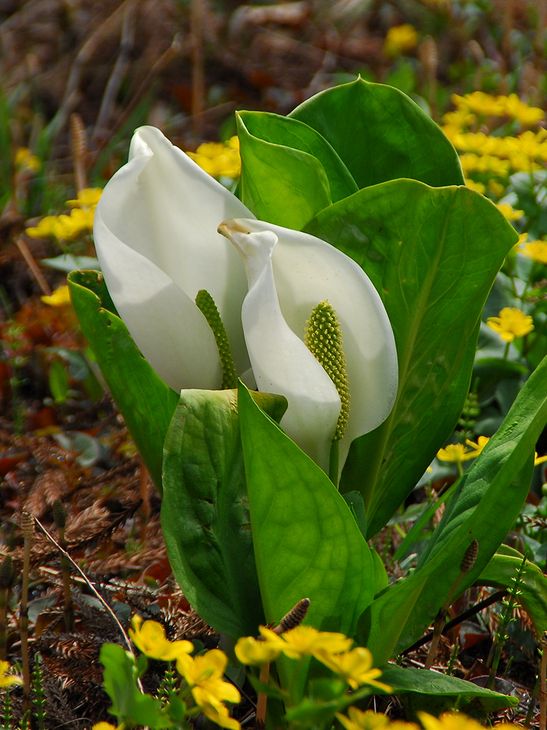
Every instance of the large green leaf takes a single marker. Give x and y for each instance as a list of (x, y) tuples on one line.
[(501, 571), (431, 691), (306, 541), (432, 254), (289, 199), (289, 171), (381, 134), (145, 401), (484, 508), (204, 513)]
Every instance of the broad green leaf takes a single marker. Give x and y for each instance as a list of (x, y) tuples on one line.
[(204, 511), (484, 508), (432, 254), (129, 704), (306, 541), (381, 134), (503, 568), (280, 184), (145, 401), (289, 171), (428, 689)]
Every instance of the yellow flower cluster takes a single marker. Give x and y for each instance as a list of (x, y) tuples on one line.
[(495, 155), (400, 39), (67, 227), (331, 649), (203, 674), (26, 161), (369, 720), (219, 159), (485, 105), (511, 323)]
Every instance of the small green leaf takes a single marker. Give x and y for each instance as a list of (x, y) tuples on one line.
[(129, 704), (381, 134), (204, 512), (145, 401), (501, 570)]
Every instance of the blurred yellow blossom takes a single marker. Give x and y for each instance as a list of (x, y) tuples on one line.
[(535, 250), (477, 445), (486, 105), (369, 720), (400, 39), (219, 159), (456, 721), (26, 160), (58, 298), (509, 212), (204, 675), (149, 637), (86, 198), (6, 679), (354, 666), (63, 227), (511, 323), (106, 726), (478, 187), (455, 454)]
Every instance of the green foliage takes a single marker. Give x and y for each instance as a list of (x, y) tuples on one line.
[(205, 517), (146, 403), (432, 254), (129, 704)]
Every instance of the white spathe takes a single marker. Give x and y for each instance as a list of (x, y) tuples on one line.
[(158, 245)]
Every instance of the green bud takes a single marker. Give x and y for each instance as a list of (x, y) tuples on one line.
[(206, 304), (323, 338)]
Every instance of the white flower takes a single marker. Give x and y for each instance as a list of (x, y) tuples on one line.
[(156, 233)]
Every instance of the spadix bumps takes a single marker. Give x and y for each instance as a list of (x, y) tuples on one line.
[(156, 233)]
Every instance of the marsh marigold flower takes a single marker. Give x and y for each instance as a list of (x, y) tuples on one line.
[(204, 675), (219, 159), (535, 250), (6, 679), (58, 298), (26, 161), (400, 39), (455, 454), (355, 667), (149, 637), (296, 643), (511, 323), (456, 721), (369, 720)]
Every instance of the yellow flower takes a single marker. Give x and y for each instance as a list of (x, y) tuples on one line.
[(509, 212), (106, 726), (455, 454), (400, 39), (354, 666), (25, 160), (535, 250), (149, 637), (455, 721), (511, 323), (478, 446), (63, 227), (86, 198), (369, 720), (478, 187), (7, 680), (255, 651), (203, 674), (59, 298), (219, 159), (296, 643)]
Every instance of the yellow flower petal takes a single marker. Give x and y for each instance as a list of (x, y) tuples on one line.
[(59, 298), (8, 680), (511, 323), (149, 637)]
